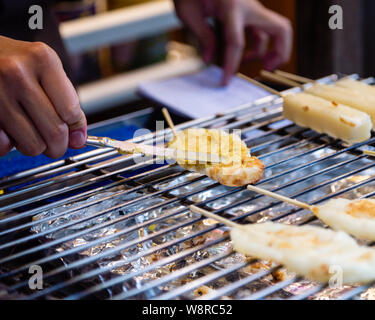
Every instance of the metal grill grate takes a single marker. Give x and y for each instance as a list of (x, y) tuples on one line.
[(103, 227)]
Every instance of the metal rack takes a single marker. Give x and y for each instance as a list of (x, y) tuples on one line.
[(140, 241)]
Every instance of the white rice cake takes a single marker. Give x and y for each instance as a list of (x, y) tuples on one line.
[(359, 86), (354, 217), (239, 169), (348, 96), (336, 120), (313, 252)]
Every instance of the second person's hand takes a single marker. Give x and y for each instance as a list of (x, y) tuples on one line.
[(237, 16)]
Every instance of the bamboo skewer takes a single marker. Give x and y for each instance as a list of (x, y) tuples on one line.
[(232, 224), (211, 215), (279, 79), (169, 120), (369, 153), (280, 197), (257, 83), (293, 77)]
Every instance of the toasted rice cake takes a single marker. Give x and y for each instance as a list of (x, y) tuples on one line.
[(346, 96), (239, 169), (354, 217), (313, 252), (324, 116)]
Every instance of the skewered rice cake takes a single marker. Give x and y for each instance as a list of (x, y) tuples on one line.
[(239, 168)]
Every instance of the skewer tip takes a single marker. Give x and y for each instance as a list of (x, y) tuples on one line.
[(169, 120), (261, 85), (279, 197), (211, 215), (369, 153)]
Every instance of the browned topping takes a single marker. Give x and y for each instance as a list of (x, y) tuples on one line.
[(261, 265), (351, 124), (255, 267), (278, 275), (335, 104), (321, 270), (201, 291), (305, 108), (366, 256), (361, 208), (324, 268), (285, 245), (155, 257)]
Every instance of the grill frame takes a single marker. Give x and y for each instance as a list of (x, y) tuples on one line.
[(97, 165)]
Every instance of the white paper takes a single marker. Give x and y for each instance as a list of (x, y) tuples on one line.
[(200, 94)]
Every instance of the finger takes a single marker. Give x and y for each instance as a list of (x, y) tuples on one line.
[(5, 143), (281, 52), (234, 44), (196, 22), (62, 94), (66, 103), (21, 130), (51, 127), (260, 41), (279, 28)]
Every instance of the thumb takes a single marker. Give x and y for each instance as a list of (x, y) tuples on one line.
[(78, 130)]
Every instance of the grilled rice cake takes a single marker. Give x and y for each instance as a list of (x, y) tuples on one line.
[(356, 217), (337, 120), (313, 252), (347, 96), (358, 86), (239, 168)]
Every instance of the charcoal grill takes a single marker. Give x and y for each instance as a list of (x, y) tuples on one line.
[(104, 227)]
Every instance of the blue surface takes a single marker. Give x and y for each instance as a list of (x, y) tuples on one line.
[(16, 162)]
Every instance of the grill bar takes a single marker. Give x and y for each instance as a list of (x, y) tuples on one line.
[(99, 287), (270, 290), (309, 293), (202, 281), (236, 285), (35, 212), (173, 276)]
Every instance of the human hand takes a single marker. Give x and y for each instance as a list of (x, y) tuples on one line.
[(237, 17), (39, 107)]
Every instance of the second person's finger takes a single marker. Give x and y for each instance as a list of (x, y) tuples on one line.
[(260, 41), (197, 23), (234, 44)]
